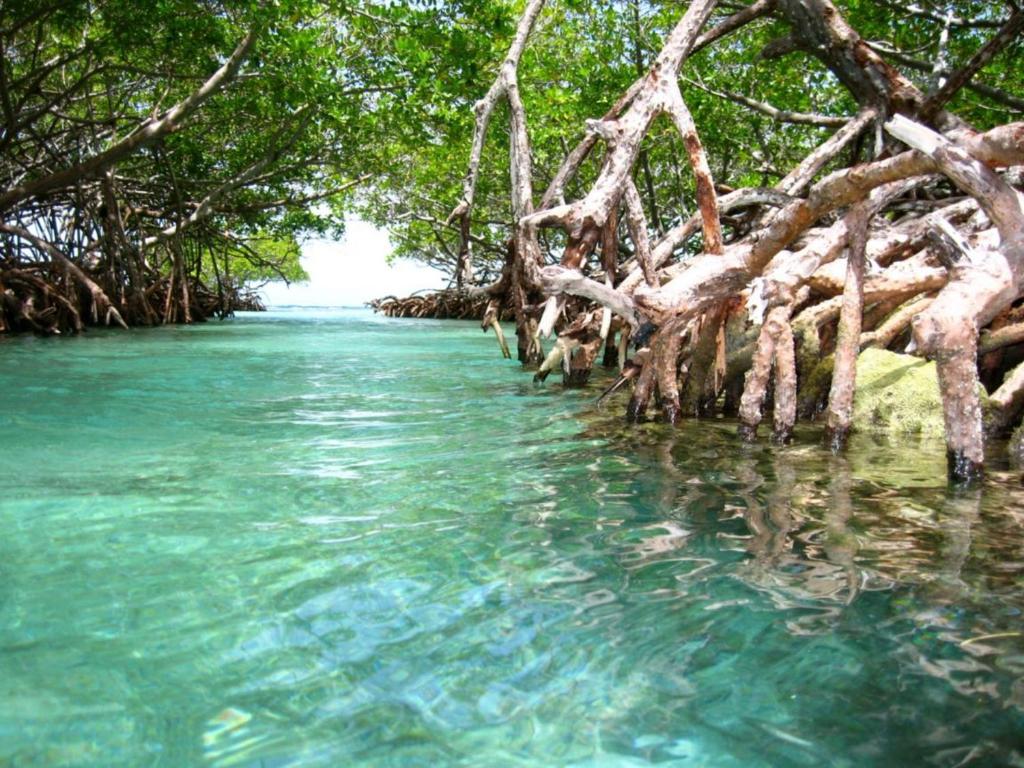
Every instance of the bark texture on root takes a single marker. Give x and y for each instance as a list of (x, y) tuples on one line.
[(756, 385), (844, 370), (784, 414)]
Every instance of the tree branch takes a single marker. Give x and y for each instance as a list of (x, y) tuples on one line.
[(146, 133), (780, 115)]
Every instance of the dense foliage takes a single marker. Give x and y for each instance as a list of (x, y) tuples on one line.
[(328, 109), (154, 149), (584, 55)]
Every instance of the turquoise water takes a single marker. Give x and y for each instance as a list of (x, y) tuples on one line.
[(330, 539)]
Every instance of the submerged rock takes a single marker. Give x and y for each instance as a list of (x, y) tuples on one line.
[(1016, 446), (897, 394)]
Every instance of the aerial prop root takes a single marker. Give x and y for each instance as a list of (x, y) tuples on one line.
[(490, 320), (978, 290)]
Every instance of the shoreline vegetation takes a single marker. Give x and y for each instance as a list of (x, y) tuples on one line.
[(914, 240), (156, 166), (772, 189)]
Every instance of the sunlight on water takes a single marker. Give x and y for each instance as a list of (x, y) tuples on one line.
[(325, 538)]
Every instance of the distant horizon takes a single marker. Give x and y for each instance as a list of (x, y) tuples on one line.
[(352, 271), (317, 306)]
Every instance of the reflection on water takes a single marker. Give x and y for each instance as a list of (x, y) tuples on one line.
[(332, 539)]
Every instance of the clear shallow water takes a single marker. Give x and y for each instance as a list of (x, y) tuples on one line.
[(326, 539)]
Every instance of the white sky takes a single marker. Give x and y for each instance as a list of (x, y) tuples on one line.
[(352, 271)]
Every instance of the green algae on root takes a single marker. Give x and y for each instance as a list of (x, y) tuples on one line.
[(897, 394)]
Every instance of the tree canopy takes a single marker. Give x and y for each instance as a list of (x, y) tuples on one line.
[(760, 108), (150, 149), (333, 108)]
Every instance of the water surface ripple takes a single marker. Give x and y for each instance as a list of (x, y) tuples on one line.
[(325, 538)]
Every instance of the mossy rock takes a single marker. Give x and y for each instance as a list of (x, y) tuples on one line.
[(814, 388), (1016, 447), (898, 395)]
